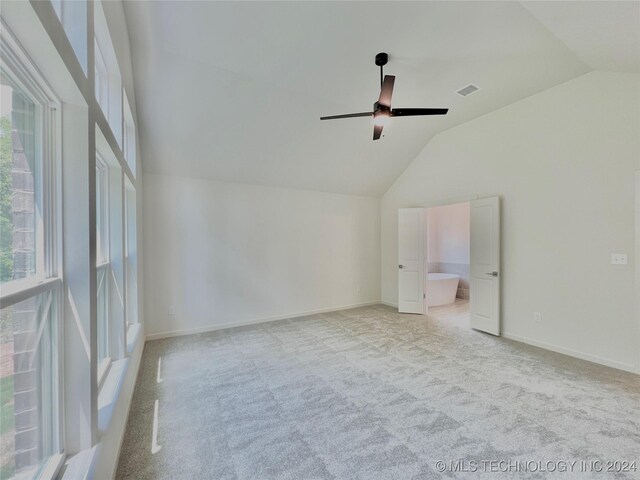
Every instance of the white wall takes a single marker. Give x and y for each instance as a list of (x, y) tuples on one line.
[(563, 162), (448, 231), (223, 253)]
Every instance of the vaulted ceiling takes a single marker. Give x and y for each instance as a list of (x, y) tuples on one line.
[(233, 91)]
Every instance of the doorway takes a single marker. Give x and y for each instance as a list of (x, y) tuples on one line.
[(416, 292), (447, 262)]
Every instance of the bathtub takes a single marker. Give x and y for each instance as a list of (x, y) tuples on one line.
[(441, 288)]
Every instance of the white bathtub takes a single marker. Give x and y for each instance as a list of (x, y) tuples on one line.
[(441, 288)]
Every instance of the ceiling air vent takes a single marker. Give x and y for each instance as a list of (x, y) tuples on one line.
[(468, 90)]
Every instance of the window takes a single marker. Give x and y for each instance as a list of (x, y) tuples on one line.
[(102, 263), (130, 255), (101, 81), (129, 135), (29, 403), (129, 146), (72, 15), (30, 304), (21, 232), (45, 290), (102, 212), (107, 73)]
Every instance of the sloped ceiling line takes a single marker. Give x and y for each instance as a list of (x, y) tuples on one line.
[(233, 91)]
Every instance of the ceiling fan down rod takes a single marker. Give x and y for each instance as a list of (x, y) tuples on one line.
[(381, 60)]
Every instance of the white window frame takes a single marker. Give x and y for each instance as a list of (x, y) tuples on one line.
[(103, 264), (102, 211), (22, 71), (103, 272), (131, 270)]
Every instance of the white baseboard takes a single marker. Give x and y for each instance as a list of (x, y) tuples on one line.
[(518, 338), (627, 367), (255, 321)]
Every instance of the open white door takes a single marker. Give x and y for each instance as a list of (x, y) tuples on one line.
[(485, 265), (411, 249)]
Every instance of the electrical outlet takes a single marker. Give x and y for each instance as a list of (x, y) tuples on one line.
[(619, 259), (358, 289), (172, 311), (537, 316)]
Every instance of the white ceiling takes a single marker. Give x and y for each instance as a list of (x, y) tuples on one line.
[(605, 35), (234, 91)]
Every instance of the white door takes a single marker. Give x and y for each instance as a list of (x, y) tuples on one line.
[(411, 269), (485, 265)]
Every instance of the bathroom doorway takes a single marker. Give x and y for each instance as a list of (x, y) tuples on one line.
[(447, 262), (462, 255)]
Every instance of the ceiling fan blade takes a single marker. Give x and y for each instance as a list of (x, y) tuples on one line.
[(409, 112), (377, 132), (348, 115), (386, 91)]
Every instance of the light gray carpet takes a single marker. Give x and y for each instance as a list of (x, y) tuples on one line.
[(371, 394)]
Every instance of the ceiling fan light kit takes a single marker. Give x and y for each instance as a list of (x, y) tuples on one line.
[(382, 110)]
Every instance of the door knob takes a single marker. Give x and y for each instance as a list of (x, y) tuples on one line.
[(400, 266), (493, 274)]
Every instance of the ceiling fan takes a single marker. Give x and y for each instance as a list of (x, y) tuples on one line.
[(382, 110)]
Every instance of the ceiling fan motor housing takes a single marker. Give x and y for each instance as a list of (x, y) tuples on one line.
[(381, 110)]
